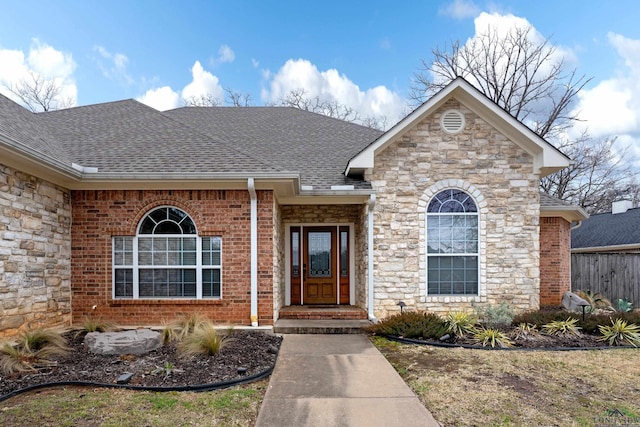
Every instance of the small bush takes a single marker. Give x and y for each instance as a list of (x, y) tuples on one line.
[(494, 316), (595, 300), (562, 327), (620, 332), (204, 339), (461, 323), (93, 324), (492, 337), (624, 305), (180, 328), (411, 324)]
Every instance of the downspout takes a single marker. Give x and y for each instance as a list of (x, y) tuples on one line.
[(372, 203), (254, 252)]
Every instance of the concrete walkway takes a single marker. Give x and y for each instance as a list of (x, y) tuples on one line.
[(337, 380)]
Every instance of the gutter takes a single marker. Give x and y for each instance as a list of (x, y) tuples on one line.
[(254, 251), (610, 248), (372, 203)]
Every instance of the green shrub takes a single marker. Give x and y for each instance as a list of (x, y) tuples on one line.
[(562, 327), (494, 316), (411, 324), (620, 332), (461, 323), (492, 337)]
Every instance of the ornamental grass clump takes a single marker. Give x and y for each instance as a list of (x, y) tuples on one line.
[(562, 328), (204, 339), (621, 333), (492, 337), (180, 328), (33, 349), (461, 323)]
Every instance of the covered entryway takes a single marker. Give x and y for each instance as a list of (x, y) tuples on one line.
[(319, 264)]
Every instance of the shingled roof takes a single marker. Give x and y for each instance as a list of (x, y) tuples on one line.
[(607, 229), (288, 138)]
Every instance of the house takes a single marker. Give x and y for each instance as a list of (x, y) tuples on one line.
[(605, 253), (134, 215)]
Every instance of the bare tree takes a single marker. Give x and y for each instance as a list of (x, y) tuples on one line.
[(237, 99), (39, 94), (206, 100), (298, 98), (530, 80), (523, 76), (597, 176)]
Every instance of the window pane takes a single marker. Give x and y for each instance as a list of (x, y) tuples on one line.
[(211, 283), (295, 254), (452, 275), (123, 283), (319, 247), (167, 283), (211, 253), (344, 267)]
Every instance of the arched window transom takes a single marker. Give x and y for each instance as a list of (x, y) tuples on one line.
[(452, 244), (167, 259)]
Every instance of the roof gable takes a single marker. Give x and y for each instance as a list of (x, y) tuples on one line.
[(547, 159)]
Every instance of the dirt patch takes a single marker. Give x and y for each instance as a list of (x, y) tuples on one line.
[(245, 353)]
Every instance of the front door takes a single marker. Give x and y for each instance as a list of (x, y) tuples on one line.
[(319, 265)]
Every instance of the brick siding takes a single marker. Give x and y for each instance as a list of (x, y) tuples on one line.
[(555, 260), (99, 215)]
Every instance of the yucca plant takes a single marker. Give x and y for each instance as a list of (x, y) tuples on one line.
[(562, 327), (525, 331), (204, 339), (620, 332), (33, 348), (461, 323), (492, 337), (624, 305)]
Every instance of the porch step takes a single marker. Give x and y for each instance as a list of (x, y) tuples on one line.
[(323, 312), (314, 326)]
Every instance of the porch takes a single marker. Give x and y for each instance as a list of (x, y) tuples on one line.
[(321, 319)]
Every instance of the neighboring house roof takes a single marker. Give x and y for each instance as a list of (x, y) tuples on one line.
[(553, 207), (546, 158), (607, 231)]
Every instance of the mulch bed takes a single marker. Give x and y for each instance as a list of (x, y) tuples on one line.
[(244, 354)]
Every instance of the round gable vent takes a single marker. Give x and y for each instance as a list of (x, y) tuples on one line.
[(452, 121)]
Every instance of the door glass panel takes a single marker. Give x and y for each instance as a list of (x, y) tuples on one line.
[(344, 261), (319, 253), (295, 254)]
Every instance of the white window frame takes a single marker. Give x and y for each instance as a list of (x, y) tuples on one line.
[(452, 255), (135, 267)]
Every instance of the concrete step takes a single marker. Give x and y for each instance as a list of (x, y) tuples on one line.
[(314, 326), (323, 312)]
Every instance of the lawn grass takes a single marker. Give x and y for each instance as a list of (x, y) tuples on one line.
[(90, 407), (463, 387)]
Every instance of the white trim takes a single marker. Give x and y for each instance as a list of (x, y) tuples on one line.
[(254, 251), (371, 206), (546, 158)]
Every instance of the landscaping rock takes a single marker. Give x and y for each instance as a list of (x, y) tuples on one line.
[(139, 341)]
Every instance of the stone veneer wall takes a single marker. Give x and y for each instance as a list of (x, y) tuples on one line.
[(500, 177), (99, 215), (336, 214), (35, 251), (555, 260)]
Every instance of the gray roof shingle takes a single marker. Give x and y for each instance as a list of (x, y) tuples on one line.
[(608, 229)]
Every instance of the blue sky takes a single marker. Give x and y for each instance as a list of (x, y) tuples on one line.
[(360, 53)]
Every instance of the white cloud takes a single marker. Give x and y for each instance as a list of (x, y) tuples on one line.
[(460, 9), (612, 107), (225, 54), (203, 84), (162, 98), (116, 68), (330, 85), (255, 63), (42, 61)]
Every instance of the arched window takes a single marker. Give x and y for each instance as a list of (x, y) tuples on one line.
[(452, 244), (167, 259)]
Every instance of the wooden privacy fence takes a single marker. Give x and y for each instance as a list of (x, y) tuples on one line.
[(611, 275)]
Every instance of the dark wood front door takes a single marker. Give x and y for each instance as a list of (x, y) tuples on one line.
[(319, 267)]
